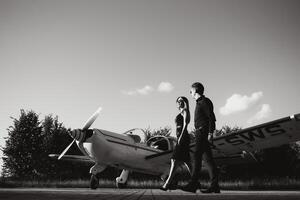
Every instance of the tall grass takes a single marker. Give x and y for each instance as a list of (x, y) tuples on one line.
[(285, 183), (80, 183)]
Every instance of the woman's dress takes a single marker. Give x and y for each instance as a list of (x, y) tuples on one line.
[(182, 150)]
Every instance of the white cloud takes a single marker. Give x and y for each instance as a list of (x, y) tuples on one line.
[(142, 91), (237, 103), (145, 90), (165, 87), (162, 87), (264, 112)]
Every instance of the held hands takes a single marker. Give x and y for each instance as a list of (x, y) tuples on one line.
[(210, 138)]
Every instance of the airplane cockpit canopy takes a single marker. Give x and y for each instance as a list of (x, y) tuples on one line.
[(137, 135), (159, 141)]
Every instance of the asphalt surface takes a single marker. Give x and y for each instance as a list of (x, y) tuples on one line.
[(138, 194)]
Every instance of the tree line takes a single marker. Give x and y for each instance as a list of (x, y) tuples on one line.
[(30, 141)]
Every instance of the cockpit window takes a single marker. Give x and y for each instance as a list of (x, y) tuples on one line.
[(136, 138), (136, 134), (159, 142)]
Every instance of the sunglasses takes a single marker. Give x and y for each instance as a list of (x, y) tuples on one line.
[(180, 100)]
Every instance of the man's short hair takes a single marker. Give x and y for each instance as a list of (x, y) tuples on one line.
[(198, 87)]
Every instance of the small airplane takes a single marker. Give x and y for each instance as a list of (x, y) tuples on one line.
[(130, 154)]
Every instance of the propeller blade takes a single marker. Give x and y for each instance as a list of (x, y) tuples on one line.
[(87, 125), (65, 151), (91, 120)]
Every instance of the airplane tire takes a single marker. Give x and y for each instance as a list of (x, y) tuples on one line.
[(94, 182), (121, 185)]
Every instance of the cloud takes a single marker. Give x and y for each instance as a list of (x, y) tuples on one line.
[(142, 91), (264, 112), (237, 103), (162, 87), (165, 87), (145, 90)]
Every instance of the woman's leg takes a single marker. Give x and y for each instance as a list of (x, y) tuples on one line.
[(173, 168)]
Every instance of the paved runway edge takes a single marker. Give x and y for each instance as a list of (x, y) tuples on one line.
[(138, 194)]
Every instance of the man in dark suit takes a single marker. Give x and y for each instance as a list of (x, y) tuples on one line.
[(204, 119)]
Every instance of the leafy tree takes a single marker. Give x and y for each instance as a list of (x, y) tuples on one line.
[(166, 131), (30, 142), (148, 134), (21, 154), (219, 132), (226, 130), (56, 139)]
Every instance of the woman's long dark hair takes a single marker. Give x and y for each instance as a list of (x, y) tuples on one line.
[(186, 106)]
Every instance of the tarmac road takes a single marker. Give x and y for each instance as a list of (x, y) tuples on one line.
[(138, 194)]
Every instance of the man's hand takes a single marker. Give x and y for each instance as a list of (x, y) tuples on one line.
[(210, 138)]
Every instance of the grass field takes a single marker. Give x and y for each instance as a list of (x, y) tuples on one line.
[(253, 184)]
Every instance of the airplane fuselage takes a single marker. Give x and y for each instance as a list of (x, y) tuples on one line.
[(121, 151)]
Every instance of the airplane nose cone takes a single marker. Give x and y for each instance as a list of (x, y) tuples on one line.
[(77, 134), (81, 135)]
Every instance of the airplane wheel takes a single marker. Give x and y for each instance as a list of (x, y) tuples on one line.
[(94, 182), (121, 185)]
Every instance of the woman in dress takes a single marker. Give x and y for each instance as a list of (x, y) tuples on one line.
[(181, 153)]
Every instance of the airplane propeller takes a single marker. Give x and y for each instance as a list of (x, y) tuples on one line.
[(87, 125)]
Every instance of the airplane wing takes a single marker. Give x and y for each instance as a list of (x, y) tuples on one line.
[(221, 159), (236, 148), (263, 136), (73, 158), (160, 155)]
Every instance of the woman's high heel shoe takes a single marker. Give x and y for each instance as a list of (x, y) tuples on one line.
[(168, 187), (164, 188)]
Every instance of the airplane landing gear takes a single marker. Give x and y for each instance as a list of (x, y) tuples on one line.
[(121, 181), (95, 171), (121, 185)]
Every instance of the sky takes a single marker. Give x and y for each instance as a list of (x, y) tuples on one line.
[(133, 58)]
